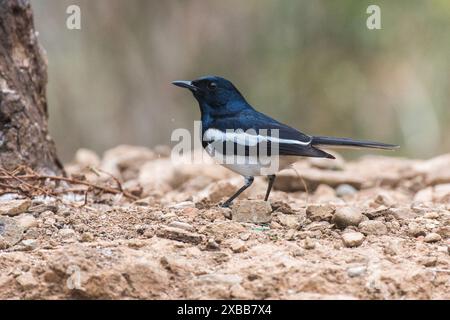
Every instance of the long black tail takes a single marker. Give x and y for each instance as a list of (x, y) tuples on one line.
[(350, 143)]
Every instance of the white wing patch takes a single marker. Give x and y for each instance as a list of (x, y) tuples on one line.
[(245, 138)]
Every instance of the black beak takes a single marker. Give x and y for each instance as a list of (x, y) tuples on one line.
[(185, 84)]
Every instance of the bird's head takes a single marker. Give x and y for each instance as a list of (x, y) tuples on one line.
[(214, 94)]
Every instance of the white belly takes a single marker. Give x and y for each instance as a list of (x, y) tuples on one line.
[(252, 165)]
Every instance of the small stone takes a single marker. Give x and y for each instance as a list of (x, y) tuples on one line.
[(415, 230), (49, 221), (431, 215), (309, 244), (87, 237), (347, 216), (429, 261), (226, 213), (67, 233), (149, 233), (352, 239), (345, 190), (10, 232), (181, 225), (378, 212), (183, 205), (289, 221), (27, 281), (444, 232), (290, 235), (238, 246), (180, 235), (356, 271), (282, 207), (212, 244), (244, 236), (253, 211), (402, 213), (217, 278), (372, 227), (432, 237), (320, 212), (29, 244), (26, 221), (14, 207)]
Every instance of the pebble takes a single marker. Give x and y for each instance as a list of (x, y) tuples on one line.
[(429, 261), (26, 221), (253, 211), (309, 244), (347, 216), (352, 239), (373, 227), (431, 215), (179, 235), (29, 244), (10, 232), (345, 190), (27, 281), (432, 237), (181, 225), (289, 221), (67, 233), (87, 237), (212, 244), (356, 271), (415, 230), (238, 246), (320, 212)]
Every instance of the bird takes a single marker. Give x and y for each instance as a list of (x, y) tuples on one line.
[(251, 143)]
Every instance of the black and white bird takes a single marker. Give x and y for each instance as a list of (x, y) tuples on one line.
[(251, 143)]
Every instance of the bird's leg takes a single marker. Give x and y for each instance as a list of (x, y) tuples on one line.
[(269, 187), (248, 183)]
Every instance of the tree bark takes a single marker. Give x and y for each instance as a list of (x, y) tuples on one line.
[(24, 137)]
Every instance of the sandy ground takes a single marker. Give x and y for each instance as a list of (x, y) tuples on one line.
[(375, 228)]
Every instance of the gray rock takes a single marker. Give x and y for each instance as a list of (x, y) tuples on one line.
[(10, 232), (345, 190), (347, 216), (29, 244), (356, 271), (253, 211)]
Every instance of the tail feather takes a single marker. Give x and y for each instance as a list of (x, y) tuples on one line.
[(350, 143)]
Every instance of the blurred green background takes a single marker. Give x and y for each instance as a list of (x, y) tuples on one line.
[(311, 64)]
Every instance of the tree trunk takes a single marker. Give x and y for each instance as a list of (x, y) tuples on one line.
[(24, 138)]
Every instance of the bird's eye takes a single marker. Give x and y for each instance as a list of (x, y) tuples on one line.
[(212, 86)]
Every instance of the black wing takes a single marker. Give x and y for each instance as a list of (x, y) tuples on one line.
[(291, 141)]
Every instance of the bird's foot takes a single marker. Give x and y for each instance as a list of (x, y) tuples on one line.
[(226, 204)]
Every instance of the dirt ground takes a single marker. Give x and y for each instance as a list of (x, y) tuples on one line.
[(375, 228)]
